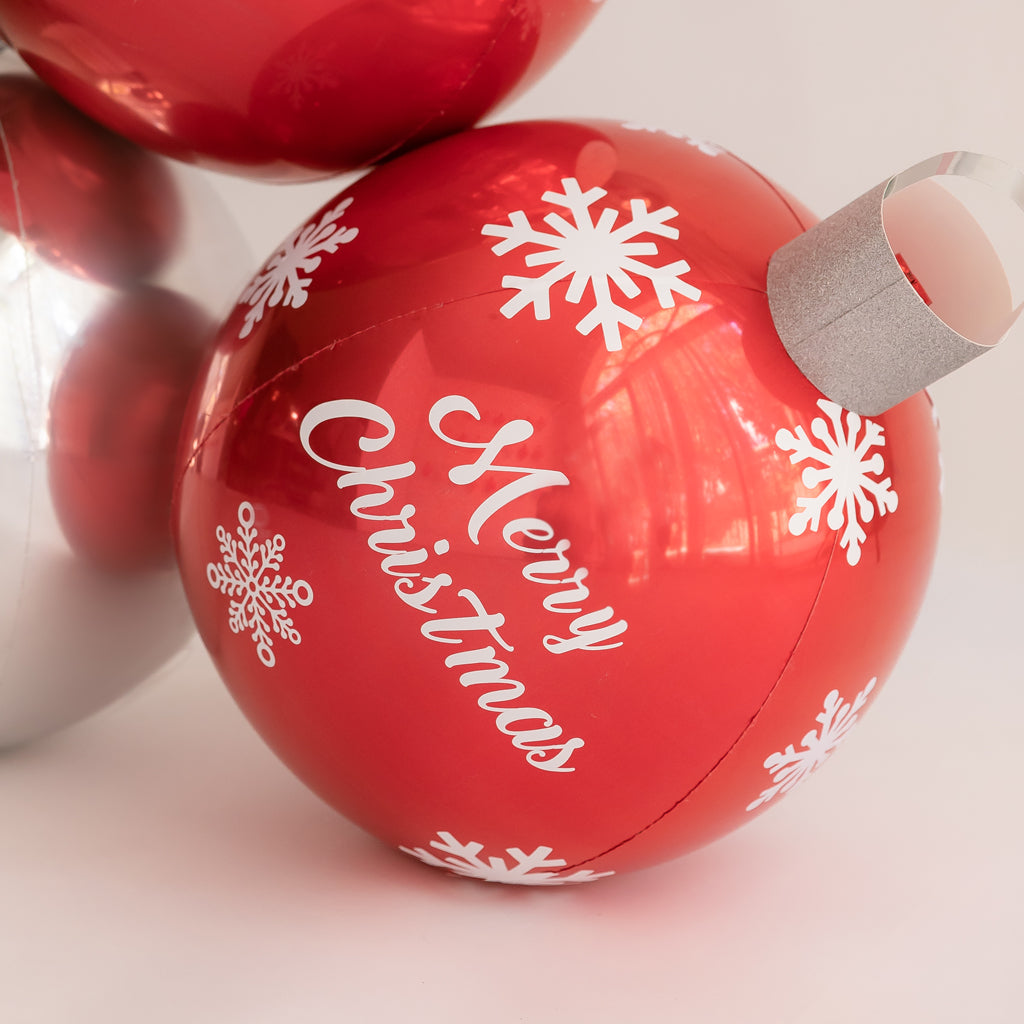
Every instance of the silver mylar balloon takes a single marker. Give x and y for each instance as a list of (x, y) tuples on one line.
[(114, 266)]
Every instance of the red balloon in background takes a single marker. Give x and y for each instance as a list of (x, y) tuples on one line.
[(290, 91), (103, 209), (512, 527), (115, 417), (98, 241)]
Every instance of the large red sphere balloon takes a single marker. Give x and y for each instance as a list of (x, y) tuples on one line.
[(513, 528), (295, 90)]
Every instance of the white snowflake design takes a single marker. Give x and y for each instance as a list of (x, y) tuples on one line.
[(520, 869), (280, 283), (250, 575), (789, 767), (850, 493), (704, 146), (595, 254)]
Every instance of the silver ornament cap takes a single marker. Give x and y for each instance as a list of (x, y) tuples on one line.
[(897, 289)]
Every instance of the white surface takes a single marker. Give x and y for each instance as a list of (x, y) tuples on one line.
[(158, 865)]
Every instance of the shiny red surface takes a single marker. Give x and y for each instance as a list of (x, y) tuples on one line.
[(658, 463), (82, 198), (115, 416), (293, 90)]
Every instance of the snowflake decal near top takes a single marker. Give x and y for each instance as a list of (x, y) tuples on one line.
[(704, 146), (591, 253), (789, 767), (280, 282), (851, 492), (520, 868), (250, 575)]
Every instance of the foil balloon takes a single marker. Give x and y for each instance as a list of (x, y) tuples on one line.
[(290, 91), (114, 417), (104, 324), (513, 527)]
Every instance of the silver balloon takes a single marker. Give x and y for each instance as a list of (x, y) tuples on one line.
[(114, 264)]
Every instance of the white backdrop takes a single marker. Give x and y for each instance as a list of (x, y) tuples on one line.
[(157, 864)]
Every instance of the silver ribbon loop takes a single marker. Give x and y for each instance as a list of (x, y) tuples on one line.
[(853, 315)]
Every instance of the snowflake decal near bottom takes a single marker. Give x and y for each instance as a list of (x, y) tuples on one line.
[(591, 254), (519, 869), (790, 766), (249, 574), (846, 468), (280, 282)]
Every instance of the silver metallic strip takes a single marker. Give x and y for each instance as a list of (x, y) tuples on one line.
[(847, 314)]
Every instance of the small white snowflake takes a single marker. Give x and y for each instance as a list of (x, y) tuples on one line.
[(938, 431), (704, 146), (789, 767), (850, 493), (250, 575), (280, 283), (595, 254), (520, 869)]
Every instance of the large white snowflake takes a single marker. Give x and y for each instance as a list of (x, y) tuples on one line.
[(790, 766), (250, 575), (280, 282), (595, 254), (520, 868), (847, 469)]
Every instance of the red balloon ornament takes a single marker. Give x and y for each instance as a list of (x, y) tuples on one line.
[(98, 242), (512, 526), (105, 210), (115, 415), (294, 91)]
